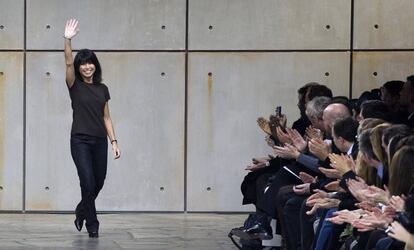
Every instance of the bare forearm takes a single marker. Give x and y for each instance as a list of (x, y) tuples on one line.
[(109, 128), (68, 52), (409, 244)]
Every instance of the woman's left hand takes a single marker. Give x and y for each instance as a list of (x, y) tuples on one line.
[(115, 149), (397, 231)]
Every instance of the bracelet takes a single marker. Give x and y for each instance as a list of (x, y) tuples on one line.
[(67, 38), (112, 142)]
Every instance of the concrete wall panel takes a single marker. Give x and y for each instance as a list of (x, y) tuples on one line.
[(269, 24), (147, 91), (372, 69), (11, 24), (381, 24), (11, 131), (223, 108), (108, 24)]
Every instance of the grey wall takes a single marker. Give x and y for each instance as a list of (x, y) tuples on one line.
[(188, 78)]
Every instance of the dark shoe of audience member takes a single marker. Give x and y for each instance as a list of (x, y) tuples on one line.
[(258, 227)]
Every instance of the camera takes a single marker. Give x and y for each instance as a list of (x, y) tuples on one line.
[(278, 111)]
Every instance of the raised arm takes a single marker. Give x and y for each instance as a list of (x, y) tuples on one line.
[(71, 29)]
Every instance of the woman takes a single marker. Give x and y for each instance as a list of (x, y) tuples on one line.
[(91, 125), (402, 171)]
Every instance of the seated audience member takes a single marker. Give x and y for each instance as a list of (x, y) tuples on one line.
[(356, 103), (390, 94), (379, 151), (394, 130), (303, 122), (344, 133), (404, 230), (368, 155), (375, 109), (318, 90), (402, 171), (332, 113), (314, 111), (407, 100)]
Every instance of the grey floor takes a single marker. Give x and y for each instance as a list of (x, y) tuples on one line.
[(119, 231)]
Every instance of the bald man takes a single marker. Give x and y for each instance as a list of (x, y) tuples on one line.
[(332, 113)]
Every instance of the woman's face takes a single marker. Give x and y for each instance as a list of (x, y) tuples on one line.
[(87, 70)]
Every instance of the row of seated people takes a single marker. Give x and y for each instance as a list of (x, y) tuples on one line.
[(341, 177)]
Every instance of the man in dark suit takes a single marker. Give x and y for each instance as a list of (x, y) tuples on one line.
[(407, 100)]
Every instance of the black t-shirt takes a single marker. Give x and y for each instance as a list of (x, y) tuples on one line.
[(88, 103)]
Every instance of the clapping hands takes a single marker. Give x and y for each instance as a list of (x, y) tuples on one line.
[(313, 133), (319, 148), (342, 163), (362, 192), (286, 152)]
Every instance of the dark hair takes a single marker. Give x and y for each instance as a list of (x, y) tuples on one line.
[(406, 218), (346, 128), (340, 99), (393, 146), (411, 80), (376, 109), (409, 204), (402, 171), (302, 96), (354, 105), (365, 145), (397, 129), (87, 56), (393, 87), (319, 90), (405, 141), (410, 83), (376, 94), (304, 89)]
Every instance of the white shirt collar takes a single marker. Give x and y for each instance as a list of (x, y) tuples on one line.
[(350, 149)]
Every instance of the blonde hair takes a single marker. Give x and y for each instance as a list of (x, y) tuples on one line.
[(367, 173), (368, 123), (376, 142)]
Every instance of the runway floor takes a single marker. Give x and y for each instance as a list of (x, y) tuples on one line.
[(119, 231)]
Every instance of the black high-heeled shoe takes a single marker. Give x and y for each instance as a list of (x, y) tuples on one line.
[(94, 234), (78, 224)]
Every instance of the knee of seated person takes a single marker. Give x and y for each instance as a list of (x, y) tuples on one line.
[(292, 205)]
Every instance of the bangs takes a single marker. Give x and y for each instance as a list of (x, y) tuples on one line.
[(85, 61), (85, 56)]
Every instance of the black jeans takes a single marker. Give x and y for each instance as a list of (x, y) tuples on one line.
[(90, 155)]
